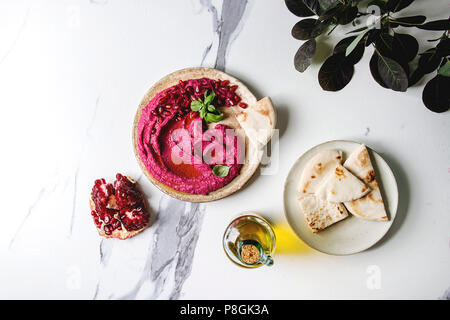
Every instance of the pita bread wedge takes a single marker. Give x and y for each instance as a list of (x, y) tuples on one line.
[(258, 121), (317, 169), (371, 206), (340, 186), (321, 214)]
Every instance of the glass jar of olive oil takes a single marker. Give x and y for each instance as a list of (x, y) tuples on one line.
[(249, 241)]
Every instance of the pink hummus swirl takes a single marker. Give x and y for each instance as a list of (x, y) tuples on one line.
[(157, 141)]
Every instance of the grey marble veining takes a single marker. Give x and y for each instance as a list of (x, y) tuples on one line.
[(225, 28), (175, 240), (446, 295), (232, 13), (163, 259), (77, 169), (19, 32), (29, 212)]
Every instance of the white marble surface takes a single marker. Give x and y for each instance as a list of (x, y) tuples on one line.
[(71, 76)]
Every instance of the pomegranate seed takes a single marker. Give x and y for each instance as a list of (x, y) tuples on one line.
[(243, 105)]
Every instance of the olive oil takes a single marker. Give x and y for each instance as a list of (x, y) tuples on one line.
[(246, 234)]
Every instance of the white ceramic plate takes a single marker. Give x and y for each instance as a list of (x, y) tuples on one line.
[(353, 234)]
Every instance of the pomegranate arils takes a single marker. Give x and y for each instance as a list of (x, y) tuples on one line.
[(243, 105), (180, 96), (118, 210)]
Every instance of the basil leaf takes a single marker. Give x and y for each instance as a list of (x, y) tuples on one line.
[(221, 171), (209, 98), (203, 111), (212, 117), (211, 108), (196, 105)]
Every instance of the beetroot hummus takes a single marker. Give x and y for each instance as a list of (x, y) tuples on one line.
[(172, 139)]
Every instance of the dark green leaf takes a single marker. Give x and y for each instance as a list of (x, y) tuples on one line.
[(406, 45), (443, 48), (347, 15), (397, 5), (437, 25), (374, 70), (298, 8), (328, 4), (313, 5), (372, 36), (307, 29), (355, 56), (415, 77), (436, 95), (384, 44), (400, 47), (429, 61), (407, 21), (304, 55), (335, 73), (445, 69), (220, 170), (196, 105), (329, 14), (392, 74)]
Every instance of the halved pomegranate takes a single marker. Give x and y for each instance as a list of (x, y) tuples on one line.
[(118, 209)]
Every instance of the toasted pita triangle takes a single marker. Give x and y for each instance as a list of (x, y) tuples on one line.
[(317, 169), (321, 214), (371, 206), (340, 186), (258, 121)]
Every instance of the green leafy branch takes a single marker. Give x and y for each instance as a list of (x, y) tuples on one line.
[(391, 64)]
